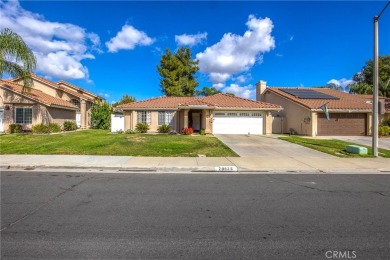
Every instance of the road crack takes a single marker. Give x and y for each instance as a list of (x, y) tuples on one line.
[(380, 192), (46, 203)]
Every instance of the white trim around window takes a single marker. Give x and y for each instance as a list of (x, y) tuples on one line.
[(144, 117), (23, 115), (165, 118)]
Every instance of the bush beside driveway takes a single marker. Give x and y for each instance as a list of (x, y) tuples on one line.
[(101, 142)]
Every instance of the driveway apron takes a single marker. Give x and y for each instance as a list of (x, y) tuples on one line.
[(268, 146)]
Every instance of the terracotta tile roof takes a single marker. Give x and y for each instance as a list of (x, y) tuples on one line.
[(56, 86), (37, 95), (160, 102), (77, 88), (74, 93), (223, 100), (217, 100), (370, 97), (345, 101), (197, 102)]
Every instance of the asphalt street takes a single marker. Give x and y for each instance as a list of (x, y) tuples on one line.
[(87, 215)]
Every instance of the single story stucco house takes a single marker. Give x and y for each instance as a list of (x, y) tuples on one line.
[(303, 111), (216, 114)]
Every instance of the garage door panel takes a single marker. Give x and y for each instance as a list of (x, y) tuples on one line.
[(342, 124), (238, 125)]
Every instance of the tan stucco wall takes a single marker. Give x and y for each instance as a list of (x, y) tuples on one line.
[(59, 116), (131, 120), (267, 123), (293, 113), (76, 90)]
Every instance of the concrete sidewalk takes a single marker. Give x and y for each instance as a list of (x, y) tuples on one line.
[(191, 164)]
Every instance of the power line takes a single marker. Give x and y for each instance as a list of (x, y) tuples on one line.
[(383, 9)]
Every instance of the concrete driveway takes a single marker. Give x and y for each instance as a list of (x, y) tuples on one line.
[(362, 140), (268, 146)]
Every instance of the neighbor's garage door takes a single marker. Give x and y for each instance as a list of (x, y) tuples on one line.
[(238, 123), (342, 124)]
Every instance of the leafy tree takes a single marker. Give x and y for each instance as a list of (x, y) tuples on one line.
[(364, 79), (124, 100), (177, 73), (206, 91), (230, 94), (16, 59), (101, 115)]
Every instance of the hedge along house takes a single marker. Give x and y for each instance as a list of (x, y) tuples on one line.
[(348, 114), (31, 108), (81, 98), (217, 114)]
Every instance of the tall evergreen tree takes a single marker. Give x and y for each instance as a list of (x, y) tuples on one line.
[(16, 59), (177, 73)]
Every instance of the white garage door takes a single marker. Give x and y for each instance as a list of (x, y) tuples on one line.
[(238, 123)]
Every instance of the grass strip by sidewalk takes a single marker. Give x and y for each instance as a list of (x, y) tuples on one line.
[(332, 146), (101, 142)]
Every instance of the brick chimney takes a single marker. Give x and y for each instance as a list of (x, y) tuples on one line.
[(260, 88)]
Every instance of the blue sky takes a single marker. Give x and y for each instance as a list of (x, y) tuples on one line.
[(113, 48)]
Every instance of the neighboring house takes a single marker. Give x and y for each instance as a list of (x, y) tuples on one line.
[(217, 114), (383, 106), (349, 114), (79, 100), (34, 107)]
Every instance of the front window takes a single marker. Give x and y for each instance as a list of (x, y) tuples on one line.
[(143, 117), (23, 115), (75, 102), (165, 118)]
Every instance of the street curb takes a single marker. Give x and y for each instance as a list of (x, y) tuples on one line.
[(197, 170)]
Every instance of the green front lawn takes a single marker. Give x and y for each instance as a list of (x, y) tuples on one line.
[(333, 147), (100, 142)]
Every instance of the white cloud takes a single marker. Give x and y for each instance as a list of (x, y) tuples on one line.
[(341, 82), (291, 38), (58, 47), (242, 78), (190, 39), (128, 38), (248, 91), (235, 54)]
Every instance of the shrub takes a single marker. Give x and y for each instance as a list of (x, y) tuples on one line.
[(119, 132), (384, 130), (173, 132), (386, 122), (142, 127), (164, 129), (130, 131), (15, 128), (202, 132), (40, 129), (54, 128), (187, 131), (101, 115), (70, 126)]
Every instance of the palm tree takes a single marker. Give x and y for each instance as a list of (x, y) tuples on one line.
[(16, 59)]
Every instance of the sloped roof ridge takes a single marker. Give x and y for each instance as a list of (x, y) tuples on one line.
[(244, 99), (198, 100), (37, 95), (77, 87)]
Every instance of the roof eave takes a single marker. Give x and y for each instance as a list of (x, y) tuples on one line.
[(63, 107)]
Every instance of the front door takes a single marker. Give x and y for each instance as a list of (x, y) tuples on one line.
[(78, 119), (1, 120), (196, 121)]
